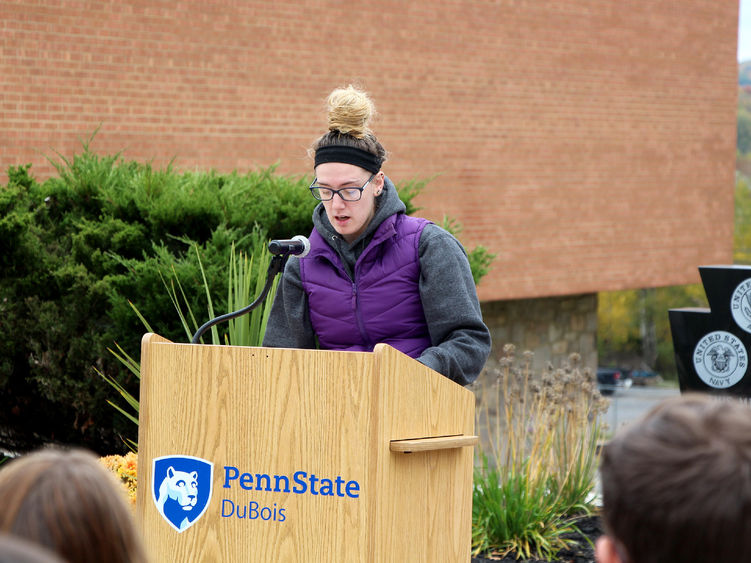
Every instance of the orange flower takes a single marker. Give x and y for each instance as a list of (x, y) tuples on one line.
[(125, 469)]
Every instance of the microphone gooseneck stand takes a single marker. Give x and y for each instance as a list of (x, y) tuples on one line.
[(276, 266)]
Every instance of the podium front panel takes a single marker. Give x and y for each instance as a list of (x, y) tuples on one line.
[(295, 446)]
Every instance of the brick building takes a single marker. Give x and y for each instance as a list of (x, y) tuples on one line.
[(589, 143)]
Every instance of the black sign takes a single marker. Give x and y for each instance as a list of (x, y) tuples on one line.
[(711, 345)]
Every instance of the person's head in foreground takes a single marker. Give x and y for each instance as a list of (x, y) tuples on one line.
[(14, 549), (67, 501), (676, 485)]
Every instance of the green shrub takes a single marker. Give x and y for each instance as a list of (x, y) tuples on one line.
[(79, 246)]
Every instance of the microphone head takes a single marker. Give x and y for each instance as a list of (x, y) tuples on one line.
[(306, 245)]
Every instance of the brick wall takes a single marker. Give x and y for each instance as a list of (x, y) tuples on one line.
[(590, 143)]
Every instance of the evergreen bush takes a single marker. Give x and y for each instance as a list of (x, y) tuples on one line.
[(79, 246)]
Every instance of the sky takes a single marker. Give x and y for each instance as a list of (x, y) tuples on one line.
[(744, 31)]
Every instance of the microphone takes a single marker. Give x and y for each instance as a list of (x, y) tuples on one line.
[(296, 246)]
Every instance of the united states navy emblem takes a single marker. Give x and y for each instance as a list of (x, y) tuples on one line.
[(720, 359)]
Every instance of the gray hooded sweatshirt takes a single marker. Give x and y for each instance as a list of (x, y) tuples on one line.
[(460, 339)]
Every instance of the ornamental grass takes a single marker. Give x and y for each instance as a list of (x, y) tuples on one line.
[(537, 462)]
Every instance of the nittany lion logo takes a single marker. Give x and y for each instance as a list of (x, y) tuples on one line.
[(182, 488), (720, 359)]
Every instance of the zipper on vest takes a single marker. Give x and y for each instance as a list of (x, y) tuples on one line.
[(358, 316)]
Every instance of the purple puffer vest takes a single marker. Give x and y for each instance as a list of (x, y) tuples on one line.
[(382, 304)]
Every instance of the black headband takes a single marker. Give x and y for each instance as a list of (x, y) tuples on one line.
[(348, 155)]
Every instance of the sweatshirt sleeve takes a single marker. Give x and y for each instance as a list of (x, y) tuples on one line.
[(460, 340), (289, 323)]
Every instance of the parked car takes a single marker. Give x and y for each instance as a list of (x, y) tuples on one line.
[(610, 379), (644, 377)]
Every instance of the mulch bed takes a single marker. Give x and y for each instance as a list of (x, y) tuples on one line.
[(580, 552)]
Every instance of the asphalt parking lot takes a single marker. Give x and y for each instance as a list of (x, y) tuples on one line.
[(629, 404)]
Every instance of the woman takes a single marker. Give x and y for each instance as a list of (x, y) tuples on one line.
[(68, 502), (375, 274)]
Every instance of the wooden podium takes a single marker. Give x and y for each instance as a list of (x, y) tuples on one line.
[(317, 455)]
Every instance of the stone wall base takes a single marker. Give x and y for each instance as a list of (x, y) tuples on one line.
[(551, 327)]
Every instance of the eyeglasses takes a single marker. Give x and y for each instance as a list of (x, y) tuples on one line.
[(347, 194)]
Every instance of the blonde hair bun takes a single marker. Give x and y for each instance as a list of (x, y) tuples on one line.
[(350, 110)]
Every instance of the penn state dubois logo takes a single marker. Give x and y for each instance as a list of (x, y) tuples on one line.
[(740, 305), (720, 359), (182, 488)]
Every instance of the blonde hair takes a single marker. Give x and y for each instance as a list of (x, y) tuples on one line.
[(350, 111)]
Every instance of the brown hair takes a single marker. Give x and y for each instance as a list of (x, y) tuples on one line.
[(14, 549), (677, 483), (66, 500), (350, 111)]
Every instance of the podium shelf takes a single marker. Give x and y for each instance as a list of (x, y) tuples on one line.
[(432, 443)]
